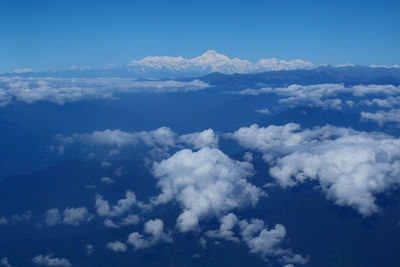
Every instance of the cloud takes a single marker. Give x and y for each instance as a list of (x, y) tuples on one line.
[(131, 219), (107, 180), (3, 221), (228, 222), (351, 167), (267, 243), (71, 216), (198, 140), (89, 249), (49, 260), (387, 102), (4, 262), (22, 70), (205, 183), (212, 61), (124, 205), (24, 217), (155, 230), (116, 246), (264, 111), (382, 117), (74, 216), (162, 136), (63, 90), (320, 95)]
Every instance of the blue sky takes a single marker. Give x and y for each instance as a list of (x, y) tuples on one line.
[(51, 35)]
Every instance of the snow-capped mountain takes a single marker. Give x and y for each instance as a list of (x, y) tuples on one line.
[(212, 61)]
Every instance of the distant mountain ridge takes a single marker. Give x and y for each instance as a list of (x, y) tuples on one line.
[(348, 75)]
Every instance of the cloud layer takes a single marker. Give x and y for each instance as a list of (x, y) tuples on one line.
[(63, 90), (351, 167)]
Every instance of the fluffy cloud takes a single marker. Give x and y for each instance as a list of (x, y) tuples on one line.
[(206, 138), (382, 117), (267, 243), (89, 249), (387, 102), (116, 246), (124, 205), (261, 241), (49, 260), (228, 222), (62, 90), (71, 216), (351, 167), (155, 230), (205, 183), (74, 216)]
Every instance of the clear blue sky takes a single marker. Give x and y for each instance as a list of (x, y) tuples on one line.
[(55, 34)]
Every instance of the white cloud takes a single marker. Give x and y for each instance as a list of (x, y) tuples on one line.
[(131, 219), (267, 243), (198, 140), (264, 111), (4, 262), (116, 246), (205, 183), (52, 217), (63, 90), (155, 230), (352, 167), (228, 222), (49, 260), (387, 102), (71, 216), (24, 217), (320, 95), (107, 180), (124, 205), (22, 70), (382, 117), (162, 136), (74, 216)]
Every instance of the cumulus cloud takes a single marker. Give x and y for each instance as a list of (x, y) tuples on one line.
[(74, 216), (382, 117), (116, 246), (351, 167), (124, 205), (71, 216), (63, 90), (228, 222), (267, 243), (49, 260), (205, 183), (155, 231), (198, 140)]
